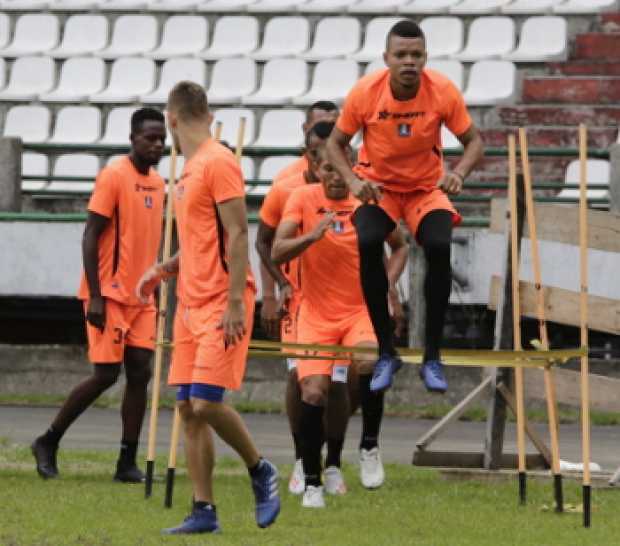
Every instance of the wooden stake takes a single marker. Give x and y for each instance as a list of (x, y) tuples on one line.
[(218, 131), (583, 312), (240, 139), (542, 325), (161, 327)]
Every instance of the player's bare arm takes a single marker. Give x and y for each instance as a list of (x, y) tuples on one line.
[(95, 226), (153, 276), (287, 246), (473, 150), (395, 266), (337, 151), (234, 220)]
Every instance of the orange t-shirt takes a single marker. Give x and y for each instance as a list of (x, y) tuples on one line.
[(211, 176), (330, 267), (129, 244), (271, 214), (402, 139), (297, 167)]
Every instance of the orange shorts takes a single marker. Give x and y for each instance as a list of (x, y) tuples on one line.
[(199, 354), (413, 206), (288, 326), (350, 331), (125, 326)]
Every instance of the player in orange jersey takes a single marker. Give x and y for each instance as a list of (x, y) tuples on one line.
[(213, 321), (121, 238), (400, 167), (316, 225)]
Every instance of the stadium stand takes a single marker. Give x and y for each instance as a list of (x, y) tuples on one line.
[(489, 38), (229, 117), (332, 78), (30, 123), (283, 37), (374, 40), (83, 34), (80, 77), (77, 125), (132, 35), (35, 164), (33, 34), (74, 165), (282, 80), (503, 75), (376, 6), (231, 80), (280, 128), (542, 39), (173, 71), (334, 37), (130, 78), (182, 35), (30, 76), (444, 36), (597, 172), (116, 126), (233, 36)]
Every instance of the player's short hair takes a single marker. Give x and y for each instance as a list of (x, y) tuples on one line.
[(145, 114), (188, 100), (321, 129), (326, 105), (405, 28)]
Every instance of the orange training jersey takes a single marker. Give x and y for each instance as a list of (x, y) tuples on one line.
[(402, 139), (297, 167), (211, 176), (271, 214), (331, 277), (129, 244)]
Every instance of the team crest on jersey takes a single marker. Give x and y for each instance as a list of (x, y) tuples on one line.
[(148, 201), (338, 226), (404, 130)]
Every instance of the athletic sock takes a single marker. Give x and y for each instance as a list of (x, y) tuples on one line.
[(127, 454), (254, 470), (372, 413), (311, 423), (334, 451), (52, 436), (202, 505), (297, 444)]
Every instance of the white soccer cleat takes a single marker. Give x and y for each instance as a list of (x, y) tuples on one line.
[(313, 497), (297, 481), (371, 468), (334, 481)]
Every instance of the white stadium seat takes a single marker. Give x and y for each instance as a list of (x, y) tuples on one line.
[(448, 140), (2, 73), (376, 6), (489, 38), (130, 77), (283, 79), (530, 6), (5, 29), (182, 35), (229, 117), (117, 127), (453, 70), (83, 34), (232, 37), (232, 79), (23, 5), (124, 5), (598, 171), (325, 6), (172, 72), (503, 75), (333, 79), (377, 64), (427, 6), (132, 35), (30, 123), (35, 164), (334, 37), (77, 125), (444, 35), (34, 33), (586, 6), (79, 78), (374, 42), (85, 165), (225, 6), (479, 6), (72, 5), (164, 166), (543, 38), (174, 5), (247, 167), (30, 76), (274, 6), (281, 128), (272, 165), (283, 37)]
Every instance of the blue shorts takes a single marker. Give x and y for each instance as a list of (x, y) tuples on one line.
[(211, 393)]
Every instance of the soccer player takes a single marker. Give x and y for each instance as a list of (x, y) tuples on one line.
[(215, 308), (400, 111), (121, 239), (316, 225)]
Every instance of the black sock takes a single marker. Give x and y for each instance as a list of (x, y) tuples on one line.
[(253, 470), (373, 225), (52, 436), (202, 505), (311, 423), (297, 444), (127, 455), (334, 451), (372, 412)]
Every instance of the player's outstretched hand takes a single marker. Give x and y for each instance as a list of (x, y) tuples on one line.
[(451, 183), (286, 293), (233, 323), (396, 312), (95, 312), (365, 190), (147, 283), (317, 233), (270, 317)]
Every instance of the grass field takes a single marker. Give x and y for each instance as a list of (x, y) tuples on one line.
[(415, 507)]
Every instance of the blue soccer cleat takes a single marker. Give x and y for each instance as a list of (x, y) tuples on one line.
[(384, 371), (265, 486), (432, 375), (201, 520)]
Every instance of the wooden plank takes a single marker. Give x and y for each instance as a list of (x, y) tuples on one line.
[(568, 389), (560, 223), (562, 306), (456, 459)]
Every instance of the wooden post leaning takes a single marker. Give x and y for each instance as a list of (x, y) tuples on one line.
[(161, 327), (542, 325), (583, 312), (516, 316)]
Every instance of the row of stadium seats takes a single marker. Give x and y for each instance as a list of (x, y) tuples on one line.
[(463, 7), (233, 81), (542, 38)]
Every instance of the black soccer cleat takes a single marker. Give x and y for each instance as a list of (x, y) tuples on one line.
[(128, 474), (45, 456)]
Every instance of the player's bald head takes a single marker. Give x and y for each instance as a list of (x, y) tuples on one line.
[(188, 101)]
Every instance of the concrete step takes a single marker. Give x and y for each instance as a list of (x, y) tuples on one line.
[(610, 22), (585, 68), (575, 90), (552, 137), (597, 46), (558, 115)]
